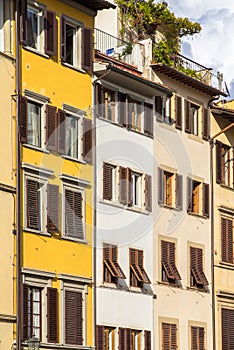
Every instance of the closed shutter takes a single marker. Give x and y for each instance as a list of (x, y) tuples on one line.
[(206, 124), (160, 186), (129, 109), (23, 118), (178, 123), (73, 318), (147, 335), (78, 215), (99, 338), (51, 128), (227, 329), (63, 48), (201, 338), (52, 315), (32, 188), (159, 108), (61, 132), (129, 186), (128, 338), (197, 338), (227, 240), (25, 312), (148, 192), (122, 339), (169, 336), (52, 208), (123, 188), (173, 336), (87, 140), (107, 181), (73, 212), (179, 191), (23, 21), (189, 195), (148, 119), (206, 200), (168, 260), (187, 116), (87, 49), (50, 33), (122, 108), (219, 162)]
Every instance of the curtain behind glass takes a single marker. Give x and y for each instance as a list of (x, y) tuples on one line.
[(34, 125), (72, 136)]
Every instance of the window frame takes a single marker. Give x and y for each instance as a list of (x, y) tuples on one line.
[(111, 267), (198, 197), (227, 244), (79, 120), (137, 274), (197, 328), (197, 272), (170, 188), (169, 272)]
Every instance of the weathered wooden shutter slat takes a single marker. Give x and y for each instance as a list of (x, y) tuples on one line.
[(219, 162), (52, 208), (107, 181), (147, 338), (148, 119), (206, 200), (73, 318), (206, 124), (61, 132), (123, 188), (227, 240), (32, 188), (148, 192), (52, 315), (160, 186), (23, 118), (122, 339), (87, 140), (87, 49), (78, 229), (122, 108), (178, 123), (129, 187), (159, 108), (99, 337), (179, 191), (24, 327), (187, 116), (50, 33), (63, 49), (51, 128)]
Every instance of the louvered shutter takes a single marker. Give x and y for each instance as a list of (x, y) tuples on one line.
[(87, 49), (159, 108), (227, 240), (148, 192), (147, 336), (52, 315), (187, 116), (107, 181), (122, 339), (123, 188), (201, 338), (178, 123), (179, 191), (52, 208), (206, 200), (227, 329), (219, 162), (128, 338), (25, 312), (87, 140), (148, 119), (73, 318), (23, 118), (206, 124), (23, 21), (194, 338), (61, 131), (99, 338), (51, 128), (160, 186), (99, 101), (166, 336), (173, 336), (79, 231), (129, 109), (189, 195), (122, 108), (69, 213), (63, 49), (32, 188), (50, 33), (129, 186)]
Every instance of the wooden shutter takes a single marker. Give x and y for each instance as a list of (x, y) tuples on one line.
[(51, 128), (100, 338), (197, 338), (168, 260), (206, 124), (178, 123), (63, 50), (219, 162), (87, 140), (123, 188), (128, 338), (189, 195), (50, 33), (61, 131), (187, 116), (23, 118), (159, 108), (23, 21), (24, 312), (32, 188), (73, 318), (148, 192), (227, 329), (179, 191), (52, 315), (206, 200), (107, 181), (160, 186), (148, 119), (173, 336), (129, 111), (87, 49), (147, 339), (227, 240), (122, 339), (52, 208), (129, 187), (99, 100), (122, 108), (73, 214), (196, 263)]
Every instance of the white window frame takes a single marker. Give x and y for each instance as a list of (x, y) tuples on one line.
[(39, 9), (77, 42)]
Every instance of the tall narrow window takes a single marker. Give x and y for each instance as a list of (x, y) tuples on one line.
[(72, 136), (169, 270), (194, 120), (74, 222), (73, 317), (169, 336), (197, 275), (34, 124), (34, 27), (136, 189), (197, 338), (111, 268), (138, 275), (227, 240), (168, 188), (195, 197), (109, 338), (109, 182), (109, 98), (135, 110), (227, 328), (33, 204)]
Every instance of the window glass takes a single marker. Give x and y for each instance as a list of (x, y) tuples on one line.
[(33, 28), (136, 189), (70, 43), (34, 124), (72, 136), (194, 120)]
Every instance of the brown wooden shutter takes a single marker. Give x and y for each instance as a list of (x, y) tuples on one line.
[(122, 339), (123, 188), (79, 231), (32, 188), (23, 21), (173, 336), (99, 100), (196, 264), (122, 108), (206, 200), (50, 33), (187, 116), (73, 318), (227, 240), (206, 124), (52, 315), (100, 338), (63, 49), (179, 191), (52, 208), (147, 335), (25, 312), (128, 338), (51, 128), (23, 118), (159, 108), (87, 140), (227, 329), (160, 186), (148, 119), (129, 104), (61, 131), (189, 195), (73, 214), (129, 187), (107, 181), (178, 123), (148, 192), (87, 49), (219, 162)]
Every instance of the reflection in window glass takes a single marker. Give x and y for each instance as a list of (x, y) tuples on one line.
[(72, 137), (34, 124)]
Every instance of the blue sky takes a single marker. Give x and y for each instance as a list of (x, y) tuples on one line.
[(214, 46)]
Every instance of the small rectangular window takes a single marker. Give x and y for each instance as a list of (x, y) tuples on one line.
[(197, 338), (169, 270), (73, 215), (197, 275), (34, 124), (111, 268), (135, 114), (138, 275), (198, 197), (169, 336), (170, 189), (72, 136)]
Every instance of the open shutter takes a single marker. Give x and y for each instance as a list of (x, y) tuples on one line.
[(99, 338), (23, 118), (148, 119), (63, 50), (148, 192), (218, 162), (99, 101), (187, 116), (123, 188), (189, 195), (147, 340), (160, 186), (50, 33), (107, 181), (159, 108), (51, 128), (52, 315), (52, 208), (87, 49), (206, 200), (23, 21), (206, 124), (122, 108), (179, 191), (32, 188), (61, 131), (129, 186), (25, 312), (87, 140), (178, 123)]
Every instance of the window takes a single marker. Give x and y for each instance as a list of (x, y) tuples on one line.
[(34, 27), (109, 182), (197, 338), (224, 164), (170, 189), (163, 109), (138, 276), (227, 240), (169, 336), (197, 276), (73, 307), (109, 104), (111, 269), (136, 340), (74, 213), (135, 114), (169, 270), (198, 197), (34, 124), (192, 121), (72, 136), (136, 189), (227, 316), (105, 338), (178, 112)]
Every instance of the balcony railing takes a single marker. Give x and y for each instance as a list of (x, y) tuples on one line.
[(110, 45)]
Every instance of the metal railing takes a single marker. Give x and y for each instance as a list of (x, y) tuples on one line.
[(109, 44)]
